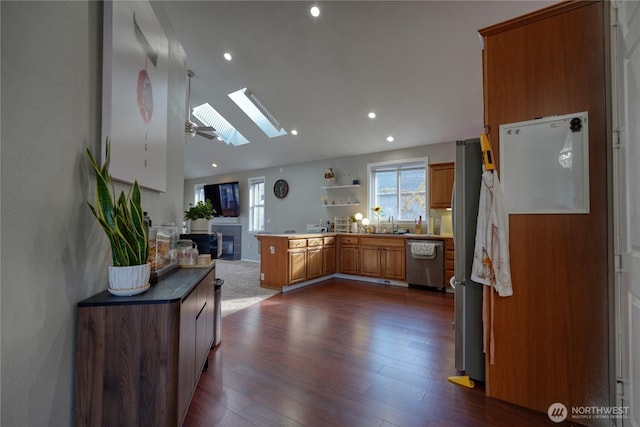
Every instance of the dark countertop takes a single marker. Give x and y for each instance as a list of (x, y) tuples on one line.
[(174, 287), (365, 235)]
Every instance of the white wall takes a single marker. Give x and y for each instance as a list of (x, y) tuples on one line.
[(303, 204), (53, 253)]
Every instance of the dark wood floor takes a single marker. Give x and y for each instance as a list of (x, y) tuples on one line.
[(344, 353)]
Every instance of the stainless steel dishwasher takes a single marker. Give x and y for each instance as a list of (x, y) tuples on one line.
[(425, 263)]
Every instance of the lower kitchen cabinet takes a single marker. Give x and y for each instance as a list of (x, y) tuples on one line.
[(449, 260), (139, 358), (314, 258), (370, 261), (349, 254), (297, 266), (393, 263), (329, 255), (383, 257)]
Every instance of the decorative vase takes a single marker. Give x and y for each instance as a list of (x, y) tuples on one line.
[(354, 227), (200, 225), (129, 280)]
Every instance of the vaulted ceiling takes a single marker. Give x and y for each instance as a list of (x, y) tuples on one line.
[(416, 64)]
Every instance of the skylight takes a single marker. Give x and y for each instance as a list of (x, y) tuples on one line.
[(210, 117), (257, 112)]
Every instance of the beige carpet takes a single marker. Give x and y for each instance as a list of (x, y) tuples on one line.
[(241, 286)]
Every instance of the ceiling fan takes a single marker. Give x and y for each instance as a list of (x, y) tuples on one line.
[(190, 127)]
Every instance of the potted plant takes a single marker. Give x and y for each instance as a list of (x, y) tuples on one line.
[(122, 221), (199, 215)]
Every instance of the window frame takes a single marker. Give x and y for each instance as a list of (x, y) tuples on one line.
[(252, 183), (198, 193), (398, 165)]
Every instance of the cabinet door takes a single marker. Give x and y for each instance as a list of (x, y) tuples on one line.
[(393, 263), (297, 266), (328, 260), (187, 353), (449, 260), (441, 177), (349, 259), (204, 321), (314, 262), (370, 261)]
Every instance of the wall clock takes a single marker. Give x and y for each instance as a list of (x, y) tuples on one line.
[(281, 188)]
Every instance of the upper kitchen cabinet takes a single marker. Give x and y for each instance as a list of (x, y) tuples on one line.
[(440, 185), (552, 336)]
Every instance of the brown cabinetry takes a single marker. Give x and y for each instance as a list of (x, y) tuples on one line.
[(138, 359), (349, 254), (393, 262), (441, 177), (329, 255), (297, 265), (449, 260), (373, 256), (383, 257), (287, 260), (314, 260), (370, 261), (552, 337)]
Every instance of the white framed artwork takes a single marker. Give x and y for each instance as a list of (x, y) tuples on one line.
[(134, 93)]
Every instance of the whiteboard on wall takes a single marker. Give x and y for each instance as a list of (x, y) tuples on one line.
[(544, 165)]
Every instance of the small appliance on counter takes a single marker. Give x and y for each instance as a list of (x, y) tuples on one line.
[(316, 228)]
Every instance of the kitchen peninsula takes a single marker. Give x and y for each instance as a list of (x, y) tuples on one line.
[(288, 261)]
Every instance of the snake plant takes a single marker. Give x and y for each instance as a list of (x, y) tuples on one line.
[(122, 218)]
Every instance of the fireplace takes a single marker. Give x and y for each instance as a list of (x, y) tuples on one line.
[(231, 240)]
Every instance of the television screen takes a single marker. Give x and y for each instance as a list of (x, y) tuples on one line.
[(224, 197)]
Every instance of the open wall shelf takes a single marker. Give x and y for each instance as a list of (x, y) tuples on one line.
[(337, 187)]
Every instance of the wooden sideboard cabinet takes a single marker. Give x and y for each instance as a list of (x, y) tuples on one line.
[(139, 358)]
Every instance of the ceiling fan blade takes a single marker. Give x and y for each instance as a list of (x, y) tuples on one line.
[(208, 128), (206, 135)]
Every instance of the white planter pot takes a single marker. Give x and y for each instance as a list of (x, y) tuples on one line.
[(131, 280), (200, 225)]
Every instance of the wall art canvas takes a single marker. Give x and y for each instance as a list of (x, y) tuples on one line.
[(134, 91)]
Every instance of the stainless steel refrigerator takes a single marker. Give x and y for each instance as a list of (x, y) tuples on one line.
[(469, 356)]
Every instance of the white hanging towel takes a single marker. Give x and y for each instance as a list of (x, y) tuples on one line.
[(491, 265), (491, 255), (423, 249)]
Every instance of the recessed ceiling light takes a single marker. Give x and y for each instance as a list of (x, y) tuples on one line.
[(389, 138), (294, 132), (372, 115), (214, 165), (315, 11), (227, 56)]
